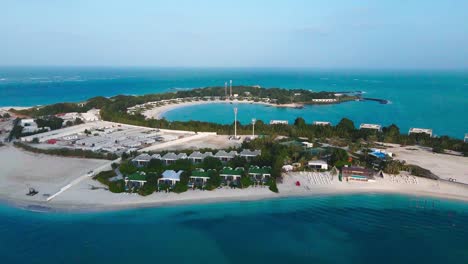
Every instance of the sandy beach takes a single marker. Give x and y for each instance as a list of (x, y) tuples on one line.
[(158, 112), (48, 174)]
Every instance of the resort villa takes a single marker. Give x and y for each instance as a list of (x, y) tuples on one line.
[(230, 175), (248, 154), (279, 122), (225, 156), (322, 123), (137, 179), (371, 126), (258, 174), (318, 165), (143, 160), (420, 131), (170, 177), (171, 157), (199, 177), (357, 174), (198, 157)]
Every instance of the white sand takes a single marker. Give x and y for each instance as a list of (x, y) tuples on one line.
[(20, 170), (81, 196), (158, 112), (443, 165)]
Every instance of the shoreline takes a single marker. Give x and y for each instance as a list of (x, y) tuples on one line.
[(75, 207), (159, 111)]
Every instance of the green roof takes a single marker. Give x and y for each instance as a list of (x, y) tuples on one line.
[(257, 170), (199, 173), (136, 177), (229, 171)]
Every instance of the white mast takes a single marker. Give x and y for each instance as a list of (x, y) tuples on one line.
[(253, 127), (235, 123), (230, 88)]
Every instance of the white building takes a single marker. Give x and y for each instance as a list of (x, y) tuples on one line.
[(318, 165), (322, 123), (371, 126), (324, 100), (279, 122), (225, 156), (170, 177), (248, 154), (420, 131)]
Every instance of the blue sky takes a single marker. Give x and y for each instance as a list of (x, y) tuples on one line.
[(242, 33)]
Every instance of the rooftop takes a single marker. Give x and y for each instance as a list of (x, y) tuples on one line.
[(171, 174), (258, 170), (230, 171), (137, 176)]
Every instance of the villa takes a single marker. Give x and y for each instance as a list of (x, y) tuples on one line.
[(318, 165), (357, 174), (137, 179), (231, 175), (170, 177), (198, 157), (248, 154), (259, 174), (141, 160), (171, 157), (279, 122), (420, 131), (322, 123), (225, 156), (371, 126), (199, 177)]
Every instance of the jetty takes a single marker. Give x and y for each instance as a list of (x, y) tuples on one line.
[(415, 130), (382, 101), (371, 126)]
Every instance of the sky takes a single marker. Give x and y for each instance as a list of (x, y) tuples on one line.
[(383, 34)]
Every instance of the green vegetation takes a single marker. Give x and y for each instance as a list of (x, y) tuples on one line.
[(115, 186), (66, 152)]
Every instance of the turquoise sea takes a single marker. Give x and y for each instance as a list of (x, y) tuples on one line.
[(428, 99), (364, 228)]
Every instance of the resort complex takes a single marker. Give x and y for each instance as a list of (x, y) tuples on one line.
[(142, 154)]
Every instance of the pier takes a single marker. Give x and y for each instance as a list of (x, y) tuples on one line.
[(415, 130), (371, 126)]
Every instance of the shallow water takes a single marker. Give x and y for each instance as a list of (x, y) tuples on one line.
[(364, 228)]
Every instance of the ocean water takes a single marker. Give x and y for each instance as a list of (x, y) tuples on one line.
[(437, 100), (364, 228)]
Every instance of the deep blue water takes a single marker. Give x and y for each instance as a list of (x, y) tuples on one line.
[(437, 100), (361, 229)]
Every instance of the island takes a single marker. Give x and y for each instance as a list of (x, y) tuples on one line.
[(110, 153)]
